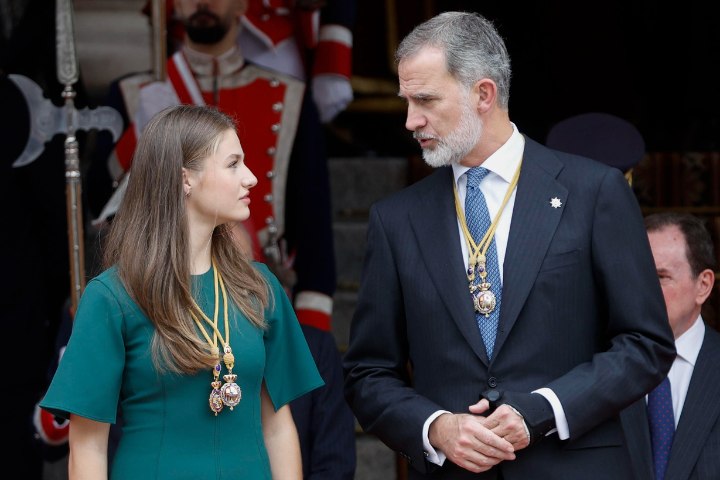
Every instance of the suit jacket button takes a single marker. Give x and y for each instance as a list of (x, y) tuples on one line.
[(492, 382)]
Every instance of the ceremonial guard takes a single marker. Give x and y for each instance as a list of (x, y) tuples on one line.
[(310, 40), (260, 78)]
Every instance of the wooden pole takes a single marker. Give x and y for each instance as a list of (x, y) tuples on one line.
[(159, 39), (67, 74)]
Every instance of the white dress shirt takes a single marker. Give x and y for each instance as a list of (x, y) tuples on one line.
[(688, 348), (502, 166)]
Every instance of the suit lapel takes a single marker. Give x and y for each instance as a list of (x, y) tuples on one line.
[(532, 228), (637, 437), (700, 411), (434, 223)]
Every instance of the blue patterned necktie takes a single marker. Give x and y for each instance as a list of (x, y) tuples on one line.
[(477, 218), (662, 426)]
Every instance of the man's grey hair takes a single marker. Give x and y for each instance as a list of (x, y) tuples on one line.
[(473, 49)]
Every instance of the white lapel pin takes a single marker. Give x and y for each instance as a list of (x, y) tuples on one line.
[(555, 202)]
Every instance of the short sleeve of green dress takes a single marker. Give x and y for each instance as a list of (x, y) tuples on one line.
[(89, 376), (168, 429), (281, 349)]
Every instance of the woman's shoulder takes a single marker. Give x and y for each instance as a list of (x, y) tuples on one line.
[(265, 272), (108, 277), (106, 291), (261, 267), (107, 280)]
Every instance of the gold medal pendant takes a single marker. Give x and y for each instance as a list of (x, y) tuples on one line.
[(215, 400), (483, 299), (230, 392)]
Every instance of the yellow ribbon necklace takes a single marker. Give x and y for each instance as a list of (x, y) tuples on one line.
[(230, 393), (483, 299)]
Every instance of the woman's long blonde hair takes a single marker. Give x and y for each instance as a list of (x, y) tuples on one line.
[(149, 239)]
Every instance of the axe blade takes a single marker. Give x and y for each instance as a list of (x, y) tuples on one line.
[(47, 120), (101, 118)]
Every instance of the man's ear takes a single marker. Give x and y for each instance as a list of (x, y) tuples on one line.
[(485, 93), (706, 282)]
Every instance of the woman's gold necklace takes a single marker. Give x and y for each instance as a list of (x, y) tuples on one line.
[(483, 298), (230, 393)]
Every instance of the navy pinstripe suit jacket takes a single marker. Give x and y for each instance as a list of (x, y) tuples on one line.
[(582, 314), (695, 453)]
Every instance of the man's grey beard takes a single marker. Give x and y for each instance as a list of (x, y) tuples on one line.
[(457, 144)]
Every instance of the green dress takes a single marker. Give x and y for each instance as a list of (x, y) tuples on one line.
[(168, 429)]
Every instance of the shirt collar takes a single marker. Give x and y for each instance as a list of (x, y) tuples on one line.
[(202, 63), (688, 344), (503, 161)]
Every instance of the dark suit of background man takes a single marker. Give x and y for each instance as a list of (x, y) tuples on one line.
[(582, 321), (686, 263), (325, 424)]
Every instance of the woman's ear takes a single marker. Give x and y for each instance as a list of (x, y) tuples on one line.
[(187, 187)]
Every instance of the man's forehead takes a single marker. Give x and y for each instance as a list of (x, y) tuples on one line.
[(427, 56), (423, 75)]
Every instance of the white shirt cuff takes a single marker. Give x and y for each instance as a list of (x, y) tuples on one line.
[(432, 455), (561, 425)]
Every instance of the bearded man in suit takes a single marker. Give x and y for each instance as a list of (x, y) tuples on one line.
[(509, 307)]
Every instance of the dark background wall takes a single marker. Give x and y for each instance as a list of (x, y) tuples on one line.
[(654, 66)]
